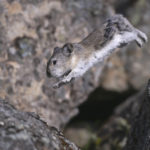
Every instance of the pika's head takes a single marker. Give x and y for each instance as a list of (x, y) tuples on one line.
[(59, 63)]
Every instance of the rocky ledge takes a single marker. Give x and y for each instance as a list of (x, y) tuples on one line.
[(26, 131)]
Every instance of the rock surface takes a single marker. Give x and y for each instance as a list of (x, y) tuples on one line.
[(26, 131), (127, 129), (31, 29), (139, 137)]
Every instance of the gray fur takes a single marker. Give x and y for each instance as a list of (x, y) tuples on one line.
[(74, 59)]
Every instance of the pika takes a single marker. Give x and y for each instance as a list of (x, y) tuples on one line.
[(73, 59)]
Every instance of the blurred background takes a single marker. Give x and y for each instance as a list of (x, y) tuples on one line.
[(87, 110)]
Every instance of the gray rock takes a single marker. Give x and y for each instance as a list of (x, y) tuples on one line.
[(139, 137), (26, 131)]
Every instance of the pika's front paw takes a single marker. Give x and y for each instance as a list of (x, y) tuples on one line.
[(141, 38), (58, 85), (62, 82), (55, 86)]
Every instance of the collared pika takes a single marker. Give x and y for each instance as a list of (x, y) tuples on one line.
[(74, 59)]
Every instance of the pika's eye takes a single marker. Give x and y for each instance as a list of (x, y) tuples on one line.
[(54, 62)]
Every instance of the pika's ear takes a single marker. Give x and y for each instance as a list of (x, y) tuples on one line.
[(67, 49)]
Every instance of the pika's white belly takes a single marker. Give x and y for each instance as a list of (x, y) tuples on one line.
[(105, 52)]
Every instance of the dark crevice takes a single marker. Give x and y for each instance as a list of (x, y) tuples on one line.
[(100, 105), (123, 5)]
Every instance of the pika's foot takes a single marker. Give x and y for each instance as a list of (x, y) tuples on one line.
[(122, 26), (58, 85), (62, 82), (141, 38)]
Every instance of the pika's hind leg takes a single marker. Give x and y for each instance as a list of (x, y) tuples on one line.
[(120, 22), (124, 27), (109, 33), (116, 24)]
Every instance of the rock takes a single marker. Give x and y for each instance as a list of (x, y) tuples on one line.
[(79, 135), (25, 46), (128, 128), (26, 131), (139, 137)]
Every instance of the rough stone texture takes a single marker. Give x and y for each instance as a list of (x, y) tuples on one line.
[(26, 131), (139, 138), (128, 128), (30, 29), (114, 134)]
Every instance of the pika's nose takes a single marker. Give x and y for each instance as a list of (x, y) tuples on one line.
[(48, 70)]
